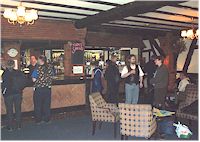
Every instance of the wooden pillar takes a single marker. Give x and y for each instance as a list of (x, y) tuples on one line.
[(189, 55), (67, 59), (81, 34), (166, 44)]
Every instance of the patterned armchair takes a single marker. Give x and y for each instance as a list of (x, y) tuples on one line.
[(136, 120), (191, 92), (102, 111)]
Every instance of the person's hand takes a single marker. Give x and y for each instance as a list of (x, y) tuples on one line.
[(132, 72), (141, 85)]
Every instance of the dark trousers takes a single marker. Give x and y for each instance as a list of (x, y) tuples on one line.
[(159, 97), (42, 104), (10, 102), (113, 92)]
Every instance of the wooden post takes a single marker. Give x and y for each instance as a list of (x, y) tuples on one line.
[(189, 55), (67, 59), (166, 44), (160, 50)]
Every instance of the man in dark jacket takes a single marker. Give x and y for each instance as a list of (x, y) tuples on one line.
[(12, 86), (112, 76), (160, 83), (149, 69)]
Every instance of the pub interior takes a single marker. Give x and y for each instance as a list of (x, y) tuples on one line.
[(74, 36)]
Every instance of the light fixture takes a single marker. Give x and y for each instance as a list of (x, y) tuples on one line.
[(21, 15), (191, 33)]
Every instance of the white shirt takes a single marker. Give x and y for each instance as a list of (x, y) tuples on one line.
[(182, 84), (125, 70)]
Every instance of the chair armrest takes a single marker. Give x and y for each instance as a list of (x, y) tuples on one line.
[(107, 110), (111, 106), (184, 104)]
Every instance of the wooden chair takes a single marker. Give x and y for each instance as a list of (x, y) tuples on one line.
[(102, 111), (136, 120), (191, 92)]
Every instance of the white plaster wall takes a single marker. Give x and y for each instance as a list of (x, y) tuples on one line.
[(193, 67)]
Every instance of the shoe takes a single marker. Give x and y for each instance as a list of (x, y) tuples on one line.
[(19, 126), (9, 129), (48, 121), (38, 122)]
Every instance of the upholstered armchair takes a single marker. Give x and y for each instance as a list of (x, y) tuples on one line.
[(136, 120), (191, 92), (102, 111)]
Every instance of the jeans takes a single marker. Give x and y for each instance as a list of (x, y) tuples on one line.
[(16, 101), (42, 103), (132, 93)]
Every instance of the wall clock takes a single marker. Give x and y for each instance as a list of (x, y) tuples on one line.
[(12, 52)]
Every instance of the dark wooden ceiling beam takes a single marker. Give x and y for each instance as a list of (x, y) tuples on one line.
[(52, 17), (147, 27), (187, 7), (147, 17), (131, 31), (45, 10), (103, 2), (176, 14), (154, 23), (62, 5), (131, 9)]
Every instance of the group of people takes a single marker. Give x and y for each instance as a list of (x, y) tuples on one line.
[(133, 75), (111, 74), (13, 83), (41, 75)]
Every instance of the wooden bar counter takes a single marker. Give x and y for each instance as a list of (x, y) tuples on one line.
[(65, 93)]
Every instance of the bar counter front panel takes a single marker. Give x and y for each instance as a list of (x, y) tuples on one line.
[(65, 93)]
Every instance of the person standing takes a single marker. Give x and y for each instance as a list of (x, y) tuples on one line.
[(149, 69), (31, 68), (97, 76), (33, 65), (42, 77), (180, 96), (160, 83), (14, 82), (112, 76), (133, 75)]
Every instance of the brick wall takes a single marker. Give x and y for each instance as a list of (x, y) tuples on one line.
[(41, 30)]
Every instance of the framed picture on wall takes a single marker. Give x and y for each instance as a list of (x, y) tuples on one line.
[(78, 69)]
